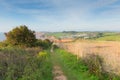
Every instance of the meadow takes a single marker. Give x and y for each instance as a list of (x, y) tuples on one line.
[(109, 38), (113, 36)]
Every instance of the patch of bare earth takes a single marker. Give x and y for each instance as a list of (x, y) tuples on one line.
[(58, 73)]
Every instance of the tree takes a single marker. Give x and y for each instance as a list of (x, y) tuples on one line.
[(21, 36), (100, 34)]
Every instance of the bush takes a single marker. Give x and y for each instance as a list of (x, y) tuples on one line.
[(3, 44), (21, 36), (20, 64), (45, 44)]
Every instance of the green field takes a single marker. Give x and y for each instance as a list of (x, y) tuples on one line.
[(110, 37)]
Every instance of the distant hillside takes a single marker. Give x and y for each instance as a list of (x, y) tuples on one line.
[(110, 37), (2, 36)]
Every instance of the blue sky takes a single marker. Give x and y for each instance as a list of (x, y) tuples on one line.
[(60, 15)]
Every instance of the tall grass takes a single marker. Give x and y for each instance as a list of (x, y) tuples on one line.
[(108, 50), (24, 64)]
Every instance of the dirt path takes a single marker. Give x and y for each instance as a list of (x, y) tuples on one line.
[(57, 71), (58, 74)]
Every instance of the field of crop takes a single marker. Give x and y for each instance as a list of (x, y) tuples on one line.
[(109, 51)]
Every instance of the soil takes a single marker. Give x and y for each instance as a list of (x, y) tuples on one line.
[(58, 73)]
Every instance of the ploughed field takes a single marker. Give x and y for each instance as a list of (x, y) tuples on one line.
[(109, 51)]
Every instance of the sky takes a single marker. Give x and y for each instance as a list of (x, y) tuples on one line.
[(60, 15)]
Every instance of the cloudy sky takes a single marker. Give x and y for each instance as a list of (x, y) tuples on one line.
[(60, 15)]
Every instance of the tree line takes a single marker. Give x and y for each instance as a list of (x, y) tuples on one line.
[(22, 36)]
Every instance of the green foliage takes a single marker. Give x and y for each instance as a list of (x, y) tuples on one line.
[(3, 44), (38, 68), (42, 54), (45, 44), (21, 64), (12, 62), (21, 36), (100, 34)]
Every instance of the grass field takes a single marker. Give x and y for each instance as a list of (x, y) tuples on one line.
[(110, 37)]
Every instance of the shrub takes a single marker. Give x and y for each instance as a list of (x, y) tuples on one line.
[(45, 44), (21, 36), (20, 64), (42, 54)]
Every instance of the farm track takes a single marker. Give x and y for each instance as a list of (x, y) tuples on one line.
[(58, 74)]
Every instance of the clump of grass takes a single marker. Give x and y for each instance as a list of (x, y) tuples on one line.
[(95, 67), (94, 64)]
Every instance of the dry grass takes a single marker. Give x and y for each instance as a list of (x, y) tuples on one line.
[(108, 50)]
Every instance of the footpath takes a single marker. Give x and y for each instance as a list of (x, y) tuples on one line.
[(58, 74)]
